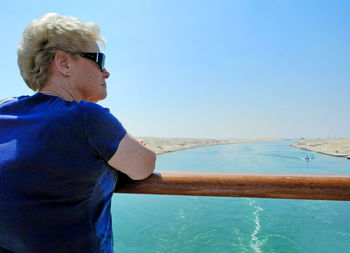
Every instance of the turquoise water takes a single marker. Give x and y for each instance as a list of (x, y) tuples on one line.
[(156, 223)]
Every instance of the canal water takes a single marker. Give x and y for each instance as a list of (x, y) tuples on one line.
[(155, 223)]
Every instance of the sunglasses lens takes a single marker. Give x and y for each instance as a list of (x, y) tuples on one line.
[(99, 58), (101, 61)]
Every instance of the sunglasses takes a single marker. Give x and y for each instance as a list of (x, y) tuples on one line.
[(98, 58)]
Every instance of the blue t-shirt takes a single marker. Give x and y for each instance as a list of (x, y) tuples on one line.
[(55, 183)]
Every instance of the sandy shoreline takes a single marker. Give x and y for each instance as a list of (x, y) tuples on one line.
[(339, 147), (165, 145)]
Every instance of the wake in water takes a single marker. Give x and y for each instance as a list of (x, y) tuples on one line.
[(255, 243)]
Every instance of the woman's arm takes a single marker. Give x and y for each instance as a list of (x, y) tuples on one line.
[(133, 158)]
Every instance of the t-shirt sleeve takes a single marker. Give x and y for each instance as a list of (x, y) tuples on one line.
[(103, 131)]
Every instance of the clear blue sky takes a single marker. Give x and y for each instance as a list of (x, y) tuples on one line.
[(215, 69)]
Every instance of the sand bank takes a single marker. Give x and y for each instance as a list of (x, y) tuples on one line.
[(335, 147), (164, 145)]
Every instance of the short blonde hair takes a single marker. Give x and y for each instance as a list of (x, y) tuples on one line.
[(43, 37)]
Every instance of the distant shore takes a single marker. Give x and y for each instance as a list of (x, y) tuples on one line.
[(165, 145), (339, 147)]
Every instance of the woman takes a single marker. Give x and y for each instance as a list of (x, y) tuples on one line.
[(59, 151)]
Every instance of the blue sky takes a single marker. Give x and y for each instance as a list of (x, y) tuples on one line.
[(211, 69)]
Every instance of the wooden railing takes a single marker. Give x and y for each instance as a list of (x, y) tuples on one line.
[(235, 184)]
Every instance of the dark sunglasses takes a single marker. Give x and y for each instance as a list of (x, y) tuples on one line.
[(98, 58)]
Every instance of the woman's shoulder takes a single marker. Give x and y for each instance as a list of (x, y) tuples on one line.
[(92, 107), (7, 100), (93, 111), (41, 104), (7, 104)]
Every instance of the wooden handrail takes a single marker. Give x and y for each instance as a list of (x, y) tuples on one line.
[(236, 184)]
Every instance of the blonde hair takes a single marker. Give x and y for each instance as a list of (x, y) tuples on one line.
[(43, 37)]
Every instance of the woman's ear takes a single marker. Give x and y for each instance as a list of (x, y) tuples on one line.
[(62, 62)]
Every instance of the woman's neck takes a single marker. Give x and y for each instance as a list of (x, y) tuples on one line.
[(60, 91)]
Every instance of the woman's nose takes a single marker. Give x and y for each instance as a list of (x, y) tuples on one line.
[(106, 74)]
